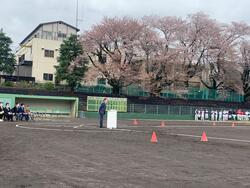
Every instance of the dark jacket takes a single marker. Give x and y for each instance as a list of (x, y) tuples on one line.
[(14, 110), (102, 108), (7, 110)]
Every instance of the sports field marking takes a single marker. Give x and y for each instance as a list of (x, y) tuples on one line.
[(76, 130), (75, 127), (210, 137)]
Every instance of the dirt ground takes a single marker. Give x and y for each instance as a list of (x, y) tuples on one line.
[(76, 153)]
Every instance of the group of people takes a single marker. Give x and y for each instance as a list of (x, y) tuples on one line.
[(221, 115), (20, 112)]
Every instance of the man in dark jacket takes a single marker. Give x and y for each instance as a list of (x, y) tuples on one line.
[(15, 110), (102, 111), (8, 112)]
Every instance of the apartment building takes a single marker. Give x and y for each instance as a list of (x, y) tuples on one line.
[(39, 51)]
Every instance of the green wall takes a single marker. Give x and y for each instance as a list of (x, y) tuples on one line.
[(45, 104)]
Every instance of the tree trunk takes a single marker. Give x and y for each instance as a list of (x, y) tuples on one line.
[(116, 89)]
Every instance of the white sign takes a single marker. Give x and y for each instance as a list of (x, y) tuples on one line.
[(112, 119)]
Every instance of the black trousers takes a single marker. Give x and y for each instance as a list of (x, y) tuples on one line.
[(9, 117), (1, 116), (101, 117)]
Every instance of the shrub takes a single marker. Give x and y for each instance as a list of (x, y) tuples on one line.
[(24, 84), (48, 86), (8, 84)]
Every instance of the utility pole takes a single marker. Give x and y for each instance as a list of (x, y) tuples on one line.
[(76, 13)]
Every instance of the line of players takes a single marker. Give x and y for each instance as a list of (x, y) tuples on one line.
[(221, 115)]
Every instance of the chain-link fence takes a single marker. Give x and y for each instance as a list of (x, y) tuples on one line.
[(171, 110), (193, 93)]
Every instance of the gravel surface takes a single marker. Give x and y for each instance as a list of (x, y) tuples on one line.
[(76, 153)]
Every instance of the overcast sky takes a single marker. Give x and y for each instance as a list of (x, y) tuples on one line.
[(19, 17)]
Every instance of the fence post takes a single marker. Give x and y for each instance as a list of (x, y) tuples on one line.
[(168, 109), (179, 110), (157, 109), (145, 108), (191, 110)]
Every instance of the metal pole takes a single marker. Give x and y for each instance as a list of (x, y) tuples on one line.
[(76, 13)]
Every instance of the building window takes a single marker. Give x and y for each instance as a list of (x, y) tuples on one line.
[(101, 81), (21, 58), (49, 53), (47, 76), (47, 35), (61, 35)]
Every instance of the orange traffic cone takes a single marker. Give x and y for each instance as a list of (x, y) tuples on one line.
[(204, 137), (154, 138), (233, 124), (135, 122), (162, 123)]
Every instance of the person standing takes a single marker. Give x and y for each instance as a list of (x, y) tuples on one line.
[(212, 115), (215, 115), (102, 111), (202, 115), (220, 115), (206, 115), (196, 115)]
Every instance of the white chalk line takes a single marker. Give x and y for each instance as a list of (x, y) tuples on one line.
[(76, 130), (210, 137), (78, 126)]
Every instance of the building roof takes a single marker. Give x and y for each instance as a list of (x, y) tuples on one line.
[(41, 24)]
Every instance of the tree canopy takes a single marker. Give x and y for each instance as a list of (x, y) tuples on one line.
[(157, 52), (7, 58), (72, 64)]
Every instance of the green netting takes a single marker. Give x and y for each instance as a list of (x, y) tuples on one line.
[(193, 93)]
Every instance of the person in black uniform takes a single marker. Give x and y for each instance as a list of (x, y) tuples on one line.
[(15, 111), (102, 111), (1, 111), (8, 112)]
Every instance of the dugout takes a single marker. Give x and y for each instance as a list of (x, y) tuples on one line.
[(51, 105)]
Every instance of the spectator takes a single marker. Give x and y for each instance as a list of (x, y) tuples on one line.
[(26, 113), (1, 111), (20, 112), (15, 110), (8, 112)]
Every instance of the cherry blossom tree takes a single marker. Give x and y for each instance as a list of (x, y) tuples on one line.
[(223, 53), (161, 56), (112, 48), (244, 62)]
